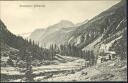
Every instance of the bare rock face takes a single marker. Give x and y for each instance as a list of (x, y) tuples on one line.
[(55, 34), (106, 29)]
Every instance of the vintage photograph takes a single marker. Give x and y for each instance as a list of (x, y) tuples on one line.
[(63, 41)]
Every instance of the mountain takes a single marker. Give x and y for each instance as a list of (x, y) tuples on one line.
[(54, 34), (10, 39), (6, 51), (22, 47), (101, 33), (81, 23), (106, 30), (35, 35), (25, 35)]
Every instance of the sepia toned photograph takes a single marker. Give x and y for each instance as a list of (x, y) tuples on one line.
[(63, 41)]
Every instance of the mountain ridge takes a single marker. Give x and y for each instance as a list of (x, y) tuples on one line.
[(43, 35)]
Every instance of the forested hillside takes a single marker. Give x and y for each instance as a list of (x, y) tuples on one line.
[(23, 45)]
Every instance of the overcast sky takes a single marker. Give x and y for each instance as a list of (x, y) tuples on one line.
[(19, 19)]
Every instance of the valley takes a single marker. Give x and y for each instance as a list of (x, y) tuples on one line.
[(93, 50)]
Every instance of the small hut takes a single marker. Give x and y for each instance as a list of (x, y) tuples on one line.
[(108, 55)]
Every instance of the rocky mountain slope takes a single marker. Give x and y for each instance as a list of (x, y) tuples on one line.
[(35, 35), (105, 32), (102, 30), (55, 34), (108, 23)]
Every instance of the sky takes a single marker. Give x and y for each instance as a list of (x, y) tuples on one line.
[(25, 16)]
